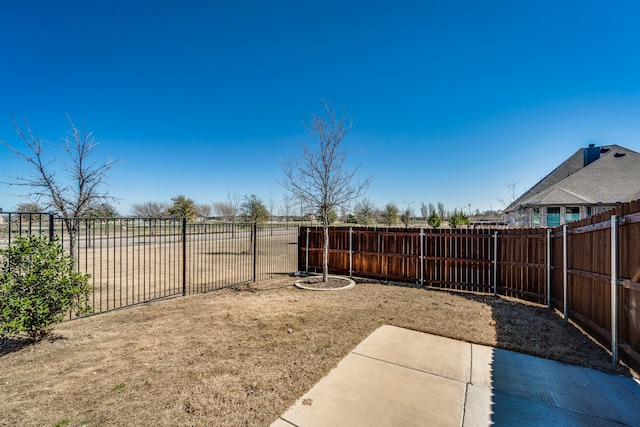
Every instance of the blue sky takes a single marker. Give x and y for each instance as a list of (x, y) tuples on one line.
[(450, 101)]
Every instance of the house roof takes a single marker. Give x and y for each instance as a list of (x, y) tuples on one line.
[(612, 178)]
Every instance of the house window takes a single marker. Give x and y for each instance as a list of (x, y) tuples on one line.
[(553, 216), (589, 211), (535, 219), (571, 214)]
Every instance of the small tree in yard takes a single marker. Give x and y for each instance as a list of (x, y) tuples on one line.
[(319, 176), (38, 286)]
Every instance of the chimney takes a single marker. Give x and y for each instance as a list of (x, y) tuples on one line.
[(591, 154)]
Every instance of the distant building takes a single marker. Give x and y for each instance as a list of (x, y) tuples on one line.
[(592, 180)]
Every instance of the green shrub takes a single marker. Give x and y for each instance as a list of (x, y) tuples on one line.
[(38, 286), (332, 216), (390, 215), (434, 220), (458, 218)]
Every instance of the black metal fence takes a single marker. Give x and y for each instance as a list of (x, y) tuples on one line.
[(135, 260)]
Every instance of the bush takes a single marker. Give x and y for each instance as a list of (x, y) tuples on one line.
[(458, 218), (434, 220), (38, 286)]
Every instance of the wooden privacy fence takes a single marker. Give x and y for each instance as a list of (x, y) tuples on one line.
[(587, 269)]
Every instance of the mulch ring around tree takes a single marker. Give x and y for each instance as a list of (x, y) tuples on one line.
[(333, 283)]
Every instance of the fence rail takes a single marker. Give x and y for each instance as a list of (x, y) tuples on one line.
[(135, 260), (588, 269)]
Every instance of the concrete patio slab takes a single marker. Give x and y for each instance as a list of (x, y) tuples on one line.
[(362, 391), (533, 387), (398, 377), (424, 352)]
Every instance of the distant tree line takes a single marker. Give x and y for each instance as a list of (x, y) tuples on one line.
[(251, 208)]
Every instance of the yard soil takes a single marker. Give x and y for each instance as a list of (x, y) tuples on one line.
[(241, 356)]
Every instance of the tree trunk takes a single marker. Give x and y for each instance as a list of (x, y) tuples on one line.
[(325, 254)]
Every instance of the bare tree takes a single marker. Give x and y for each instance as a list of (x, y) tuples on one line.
[(203, 210), (224, 210), (271, 205), (229, 210), (424, 210), (513, 215), (319, 176), (344, 212), (149, 209), (287, 207), (28, 207), (69, 187)]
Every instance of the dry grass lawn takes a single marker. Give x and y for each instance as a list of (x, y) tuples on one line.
[(227, 358)]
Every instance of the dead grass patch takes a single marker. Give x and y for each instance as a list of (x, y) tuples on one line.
[(242, 356)]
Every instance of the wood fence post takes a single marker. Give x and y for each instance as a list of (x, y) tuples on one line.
[(614, 290), (350, 251), (548, 268), (422, 257), (565, 274), (495, 263), (307, 253)]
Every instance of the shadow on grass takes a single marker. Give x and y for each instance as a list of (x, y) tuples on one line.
[(11, 345), (17, 343)]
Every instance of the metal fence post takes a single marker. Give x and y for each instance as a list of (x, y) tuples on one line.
[(350, 251), (51, 225), (495, 263), (614, 290), (307, 253), (548, 268), (9, 228), (565, 273), (421, 256), (255, 250), (184, 256)]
